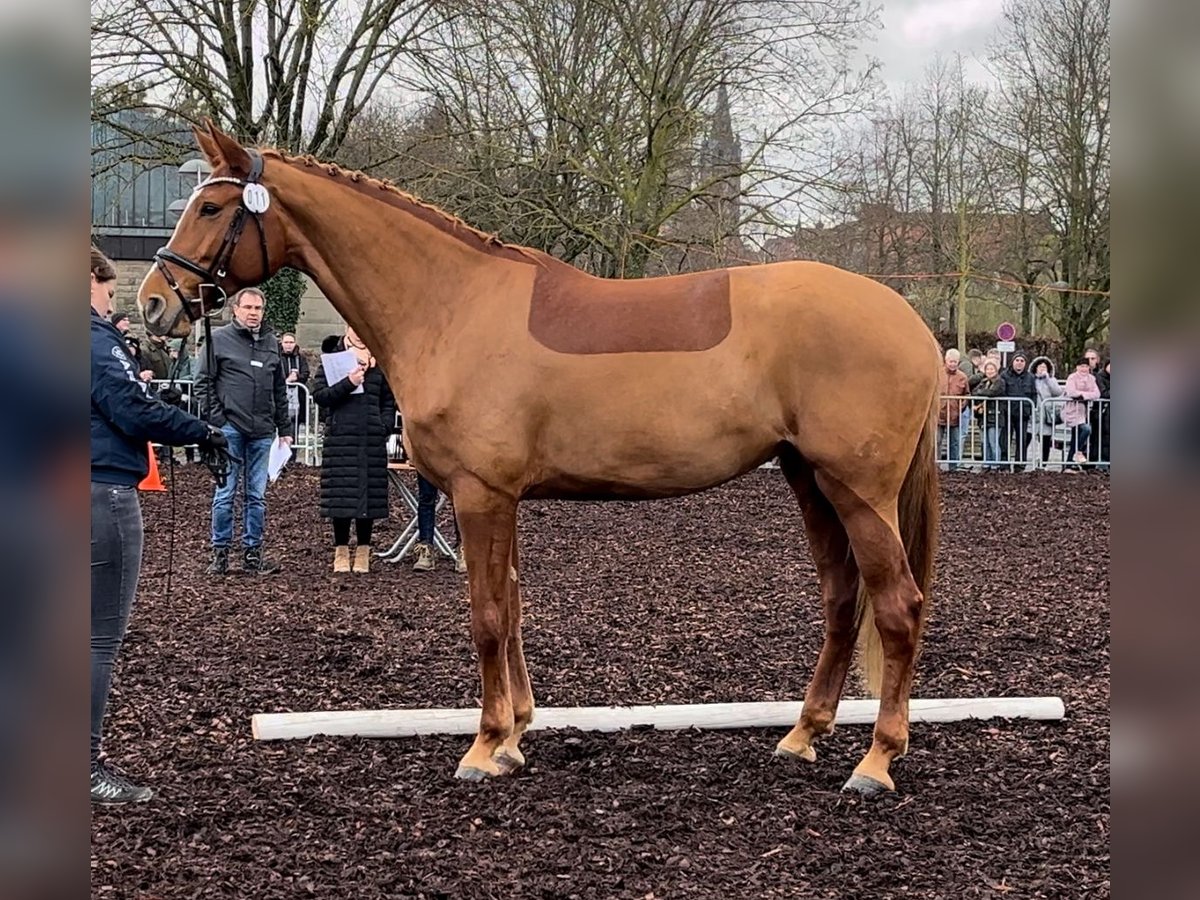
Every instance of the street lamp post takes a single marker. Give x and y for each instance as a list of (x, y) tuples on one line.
[(198, 167)]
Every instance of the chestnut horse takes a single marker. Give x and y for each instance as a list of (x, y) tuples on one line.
[(521, 376)]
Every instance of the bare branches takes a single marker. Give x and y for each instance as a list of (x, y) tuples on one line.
[(588, 125), (261, 68)]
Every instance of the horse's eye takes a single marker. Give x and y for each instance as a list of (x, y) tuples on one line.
[(209, 209)]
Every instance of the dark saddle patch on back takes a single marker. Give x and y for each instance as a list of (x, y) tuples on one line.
[(576, 313)]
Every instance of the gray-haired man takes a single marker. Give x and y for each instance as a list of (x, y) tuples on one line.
[(245, 395)]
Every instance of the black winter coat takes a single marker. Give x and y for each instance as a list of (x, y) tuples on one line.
[(993, 413), (354, 482)]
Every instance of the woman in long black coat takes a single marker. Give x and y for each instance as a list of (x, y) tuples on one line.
[(354, 482)]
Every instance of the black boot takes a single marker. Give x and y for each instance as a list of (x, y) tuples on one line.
[(254, 563), (113, 789), (220, 561)]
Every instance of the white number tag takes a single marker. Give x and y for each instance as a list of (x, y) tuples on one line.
[(256, 198)]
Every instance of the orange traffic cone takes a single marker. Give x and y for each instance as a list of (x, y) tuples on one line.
[(152, 481)]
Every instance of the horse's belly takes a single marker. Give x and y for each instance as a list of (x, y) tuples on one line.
[(624, 464)]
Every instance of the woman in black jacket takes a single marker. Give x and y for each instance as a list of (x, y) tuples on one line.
[(354, 482), (991, 385)]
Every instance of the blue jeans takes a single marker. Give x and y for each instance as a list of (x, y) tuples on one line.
[(950, 445), (991, 445), (427, 497), (117, 538), (1080, 436), (251, 474), (964, 428)]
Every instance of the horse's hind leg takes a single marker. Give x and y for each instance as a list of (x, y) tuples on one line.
[(896, 605), (838, 575), (488, 522), (509, 756)]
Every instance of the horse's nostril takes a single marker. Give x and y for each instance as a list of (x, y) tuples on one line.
[(154, 309)]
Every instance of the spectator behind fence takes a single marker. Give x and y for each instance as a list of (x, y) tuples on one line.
[(244, 394), (120, 321), (295, 370), (971, 363), (1018, 385), (156, 356), (1047, 414), (124, 418), (1081, 386), (134, 345), (1094, 409), (354, 476), (989, 411), (951, 383), (1102, 437)]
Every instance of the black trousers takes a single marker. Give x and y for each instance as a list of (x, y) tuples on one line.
[(117, 538), (1018, 432), (362, 529)]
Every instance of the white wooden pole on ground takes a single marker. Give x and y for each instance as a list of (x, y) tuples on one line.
[(392, 723)]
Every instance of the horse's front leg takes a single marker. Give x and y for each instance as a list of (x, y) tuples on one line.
[(509, 755), (488, 520)]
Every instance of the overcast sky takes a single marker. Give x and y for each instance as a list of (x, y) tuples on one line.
[(915, 31)]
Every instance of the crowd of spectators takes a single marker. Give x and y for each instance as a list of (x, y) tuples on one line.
[(994, 410)]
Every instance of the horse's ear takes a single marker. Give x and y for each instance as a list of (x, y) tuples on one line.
[(226, 152), (205, 142)]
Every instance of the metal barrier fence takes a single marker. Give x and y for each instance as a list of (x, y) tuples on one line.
[(306, 439), (1002, 433), (1015, 434)]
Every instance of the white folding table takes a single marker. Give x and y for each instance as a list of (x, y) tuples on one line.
[(408, 537)]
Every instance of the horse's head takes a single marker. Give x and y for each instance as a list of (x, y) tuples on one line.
[(228, 237)]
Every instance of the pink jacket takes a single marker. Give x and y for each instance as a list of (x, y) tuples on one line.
[(1079, 386)]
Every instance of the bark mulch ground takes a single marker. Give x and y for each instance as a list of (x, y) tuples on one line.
[(706, 599)]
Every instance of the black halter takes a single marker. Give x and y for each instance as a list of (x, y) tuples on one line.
[(211, 294)]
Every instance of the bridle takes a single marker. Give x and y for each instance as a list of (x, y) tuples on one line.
[(211, 295)]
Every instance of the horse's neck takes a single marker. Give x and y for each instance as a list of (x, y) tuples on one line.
[(398, 281)]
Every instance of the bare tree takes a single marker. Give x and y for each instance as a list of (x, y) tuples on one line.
[(578, 125), (1054, 57), (293, 73)]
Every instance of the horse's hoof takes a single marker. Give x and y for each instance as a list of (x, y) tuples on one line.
[(507, 762), (866, 786), (470, 773), (808, 754)]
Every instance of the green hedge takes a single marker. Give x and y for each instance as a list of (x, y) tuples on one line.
[(283, 291)]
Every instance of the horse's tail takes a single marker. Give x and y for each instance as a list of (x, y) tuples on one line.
[(918, 514)]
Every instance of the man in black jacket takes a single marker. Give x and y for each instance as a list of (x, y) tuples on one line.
[(1018, 383), (245, 395), (295, 369), (125, 418)]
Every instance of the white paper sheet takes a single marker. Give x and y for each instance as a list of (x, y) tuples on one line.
[(280, 454), (338, 365)]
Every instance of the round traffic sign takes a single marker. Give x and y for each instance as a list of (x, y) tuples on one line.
[(1006, 331)]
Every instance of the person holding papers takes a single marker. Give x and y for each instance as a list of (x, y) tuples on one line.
[(244, 393), (360, 412)]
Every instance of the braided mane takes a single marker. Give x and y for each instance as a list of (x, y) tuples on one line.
[(434, 215)]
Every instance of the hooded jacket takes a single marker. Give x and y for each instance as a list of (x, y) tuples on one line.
[(125, 417), (246, 390), (1079, 388), (1046, 389)]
